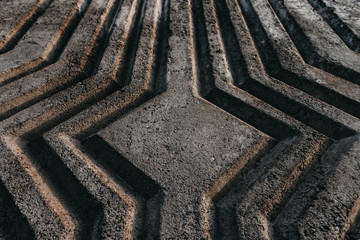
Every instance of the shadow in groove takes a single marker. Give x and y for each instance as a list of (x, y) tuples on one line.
[(11, 42), (65, 185), (303, 43), (13, 224), (342, 30), (272, 64), (120, 168)]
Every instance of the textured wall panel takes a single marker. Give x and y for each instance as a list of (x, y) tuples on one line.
[(169, 119)]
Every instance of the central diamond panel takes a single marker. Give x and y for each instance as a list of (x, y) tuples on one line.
[(181, 143)]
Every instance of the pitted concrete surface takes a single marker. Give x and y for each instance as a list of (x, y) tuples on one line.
[(169, 119)]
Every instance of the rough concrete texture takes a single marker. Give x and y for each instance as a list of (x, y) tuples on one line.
[(179, 119)]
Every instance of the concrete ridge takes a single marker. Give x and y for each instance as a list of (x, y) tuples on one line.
[(196, 119)]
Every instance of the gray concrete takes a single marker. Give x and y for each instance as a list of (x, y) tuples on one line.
[(167, 119)]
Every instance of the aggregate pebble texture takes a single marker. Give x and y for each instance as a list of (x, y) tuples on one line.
[(179, 119)]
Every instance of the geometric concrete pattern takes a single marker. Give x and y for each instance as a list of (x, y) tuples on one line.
[(179, 119)]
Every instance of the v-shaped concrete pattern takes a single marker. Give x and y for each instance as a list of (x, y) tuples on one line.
[(179, 119)]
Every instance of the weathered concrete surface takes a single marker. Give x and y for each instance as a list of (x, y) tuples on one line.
[(167, 119)]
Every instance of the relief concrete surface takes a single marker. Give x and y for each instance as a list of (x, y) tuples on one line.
[(179, 119)]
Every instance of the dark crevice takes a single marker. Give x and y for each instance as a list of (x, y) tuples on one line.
[(225, 217), (46, 126), (233, 105), (65, 185), (105, 121), (250, 115), (58, 47), (237, 64), (309, 117), (102, 40), (40, 151), (11, 43), (300, 112), (63, 182), (262, 42), (105, 156), (205, 79), (354, 232), (66, 34), (238, 68), (99, 50), (38, 67), (247, 113), (158, 74), (119, 167), (225, 227), (33, 101), (13, 224), (272, 63), (91, 66), (320, 92), (342, 30), (311, 182), (110, 159), (305, 47), (265, 123), (162, 38), (123, 75)]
